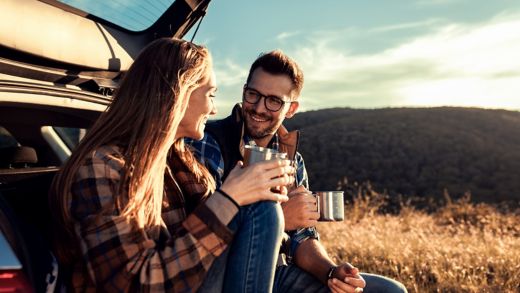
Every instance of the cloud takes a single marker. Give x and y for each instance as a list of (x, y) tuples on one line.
[(286, 35), (230, 73), (455, 64), (230, 78), (406, 26)]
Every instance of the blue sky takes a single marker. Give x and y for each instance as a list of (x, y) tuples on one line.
[(372, 54), (360, 53)]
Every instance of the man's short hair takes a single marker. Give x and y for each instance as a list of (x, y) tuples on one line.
[(276, 62)]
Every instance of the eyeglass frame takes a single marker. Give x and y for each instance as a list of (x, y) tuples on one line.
[(260, 96)]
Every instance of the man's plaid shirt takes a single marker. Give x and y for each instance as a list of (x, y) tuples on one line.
[(115, 255), (208, 153)]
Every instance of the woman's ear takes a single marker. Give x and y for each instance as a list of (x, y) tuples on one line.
[(292, 109)]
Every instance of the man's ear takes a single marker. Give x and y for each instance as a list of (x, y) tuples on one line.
[(292, 109)]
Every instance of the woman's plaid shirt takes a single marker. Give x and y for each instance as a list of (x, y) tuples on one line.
[(117, 256)]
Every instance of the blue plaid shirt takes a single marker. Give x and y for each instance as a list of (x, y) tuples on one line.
[(208, 153)]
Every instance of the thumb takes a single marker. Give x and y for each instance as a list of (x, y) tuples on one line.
[(238, 167)]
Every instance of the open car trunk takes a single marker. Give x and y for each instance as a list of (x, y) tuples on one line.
[(59, 64)]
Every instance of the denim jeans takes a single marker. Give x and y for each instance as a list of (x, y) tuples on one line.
[(293, 279), (249, 263)]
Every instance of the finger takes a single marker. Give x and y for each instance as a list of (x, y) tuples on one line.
[(349, 269), (344, 287), (305, 197), (310, 223), (281, 197), (238, 168), (300, 197), (273, 196), (311, 200), (281, 181), (354, 271), (333, 288), (266, 165), (339, 286), (310, 210), (313, 216), (356, 282), (340, 290), (278, 171), (302, 191)]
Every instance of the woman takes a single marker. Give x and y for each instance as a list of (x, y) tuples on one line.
[(137, 210)]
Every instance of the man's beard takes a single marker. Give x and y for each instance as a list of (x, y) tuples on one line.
[(256, 132)]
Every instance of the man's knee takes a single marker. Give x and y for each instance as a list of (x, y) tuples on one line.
[(377, 283)]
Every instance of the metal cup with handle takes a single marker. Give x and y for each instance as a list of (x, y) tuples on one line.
[(330, 205), (254, 154)]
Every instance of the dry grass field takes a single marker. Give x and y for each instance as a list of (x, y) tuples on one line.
[(458, 247)]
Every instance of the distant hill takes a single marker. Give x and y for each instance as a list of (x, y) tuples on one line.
[(414, 151)]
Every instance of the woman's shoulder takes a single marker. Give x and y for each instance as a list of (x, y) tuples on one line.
[(108, 153), (105, 159)]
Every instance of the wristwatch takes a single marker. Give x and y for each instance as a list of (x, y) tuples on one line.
[(331, 272)]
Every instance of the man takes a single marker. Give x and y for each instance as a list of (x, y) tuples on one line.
[(270, 95)]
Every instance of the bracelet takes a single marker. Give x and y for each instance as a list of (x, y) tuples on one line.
[(228, 197), (331, 272)]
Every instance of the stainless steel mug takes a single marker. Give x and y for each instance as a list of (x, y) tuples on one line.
[(254, 154), (330, 205)]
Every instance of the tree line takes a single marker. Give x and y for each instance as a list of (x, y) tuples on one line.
[(414, 151)]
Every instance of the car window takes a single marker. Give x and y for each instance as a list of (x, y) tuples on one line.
[(62, 140), (134, 15), (70, 136), (6, 139)]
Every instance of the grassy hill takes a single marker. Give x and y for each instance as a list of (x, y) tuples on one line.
[(459, 247), (414, 151)]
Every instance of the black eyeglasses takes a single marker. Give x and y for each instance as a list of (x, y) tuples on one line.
[(272, 103)]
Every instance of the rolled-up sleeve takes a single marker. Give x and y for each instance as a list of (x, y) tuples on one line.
[(300, 235)]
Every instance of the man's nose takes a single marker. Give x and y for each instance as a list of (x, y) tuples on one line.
[(260, 106)]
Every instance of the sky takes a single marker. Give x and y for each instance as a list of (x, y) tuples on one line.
[(359, 53), (373, 54)]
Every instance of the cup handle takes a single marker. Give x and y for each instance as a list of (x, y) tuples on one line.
[(317, 197)]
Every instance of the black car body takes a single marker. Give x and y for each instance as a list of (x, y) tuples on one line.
[(59, 66)]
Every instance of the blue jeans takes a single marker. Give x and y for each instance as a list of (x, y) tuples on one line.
[(293, 279), (249, 263)]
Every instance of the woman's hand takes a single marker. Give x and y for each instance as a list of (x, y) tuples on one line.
[(253, 183)]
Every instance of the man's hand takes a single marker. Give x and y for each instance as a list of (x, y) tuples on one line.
[(346, 278), (300, 211)]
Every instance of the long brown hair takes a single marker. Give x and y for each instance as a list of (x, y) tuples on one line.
[(143, 119)]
